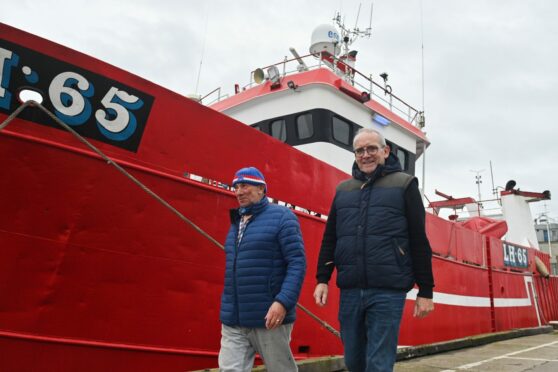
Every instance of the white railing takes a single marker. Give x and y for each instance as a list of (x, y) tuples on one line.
[(379, 93)]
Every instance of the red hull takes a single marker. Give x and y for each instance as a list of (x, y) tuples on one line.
[(97, 275)]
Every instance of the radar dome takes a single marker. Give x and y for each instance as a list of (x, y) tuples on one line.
[(325, 38)]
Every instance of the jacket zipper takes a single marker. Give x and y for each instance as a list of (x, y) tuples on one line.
[(363, 233), (237, 248)]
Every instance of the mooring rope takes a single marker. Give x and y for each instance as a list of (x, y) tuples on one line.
[(109, 161)]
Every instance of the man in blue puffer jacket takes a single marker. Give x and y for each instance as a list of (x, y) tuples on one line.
[(265, 267), (375, 237)]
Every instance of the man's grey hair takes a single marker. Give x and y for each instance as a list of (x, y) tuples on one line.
[(362, 131)]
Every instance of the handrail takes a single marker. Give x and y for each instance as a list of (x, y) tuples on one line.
[(366, 83)]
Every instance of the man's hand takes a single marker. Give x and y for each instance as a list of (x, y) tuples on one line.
[(320, 294), (423, 307), (275, 315)]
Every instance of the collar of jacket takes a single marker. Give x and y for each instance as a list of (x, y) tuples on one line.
[(252, 210), (391, 165)]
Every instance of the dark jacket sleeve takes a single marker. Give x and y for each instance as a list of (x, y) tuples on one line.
[(327, 250), (292, 249), (421, 252)]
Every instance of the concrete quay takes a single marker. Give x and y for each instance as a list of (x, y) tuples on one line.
[(528, 349)]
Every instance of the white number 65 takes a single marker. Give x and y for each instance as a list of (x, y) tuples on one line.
[(117, 122)]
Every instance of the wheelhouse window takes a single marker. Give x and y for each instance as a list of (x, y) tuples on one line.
[(304, 126), (341, 131), (402, 156), (324, 126), (279, 130)]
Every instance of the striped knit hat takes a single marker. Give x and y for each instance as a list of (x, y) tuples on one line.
[(250, 175)]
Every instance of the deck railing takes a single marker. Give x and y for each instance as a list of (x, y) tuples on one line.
[(380, 93)]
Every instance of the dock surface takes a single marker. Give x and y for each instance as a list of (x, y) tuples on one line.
[(529, 349), (537, 353)]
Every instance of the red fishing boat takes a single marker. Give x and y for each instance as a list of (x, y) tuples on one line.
[(99, 266)]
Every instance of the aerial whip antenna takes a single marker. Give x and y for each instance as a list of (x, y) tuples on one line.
[(371, 11), (203, 47), (358, 14), (494, 190), (422, 52), (421, 117)]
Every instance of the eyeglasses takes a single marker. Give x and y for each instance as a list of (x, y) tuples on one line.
[(370, 150)]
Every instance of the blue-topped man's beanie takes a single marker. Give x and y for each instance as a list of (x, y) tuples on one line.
[(250, 175)]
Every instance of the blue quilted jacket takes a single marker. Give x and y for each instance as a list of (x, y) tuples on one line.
[(269, 265)]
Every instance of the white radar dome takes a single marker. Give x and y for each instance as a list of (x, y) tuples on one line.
[(325, 38)]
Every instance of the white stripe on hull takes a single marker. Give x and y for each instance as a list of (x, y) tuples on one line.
[(475, 301)]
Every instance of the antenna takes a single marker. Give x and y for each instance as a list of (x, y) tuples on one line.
[(422, 52), (203, 47), (369, 29), (349, 36), (421, 117), (358, 13), (478, 181), (494, 191)]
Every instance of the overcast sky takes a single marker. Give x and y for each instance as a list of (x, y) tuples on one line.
[(490, 66)]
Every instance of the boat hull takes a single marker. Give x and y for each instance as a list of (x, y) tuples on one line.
[(96, 274), (95, 268)]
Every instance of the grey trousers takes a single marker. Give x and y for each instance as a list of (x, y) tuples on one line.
[(239, 347)]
